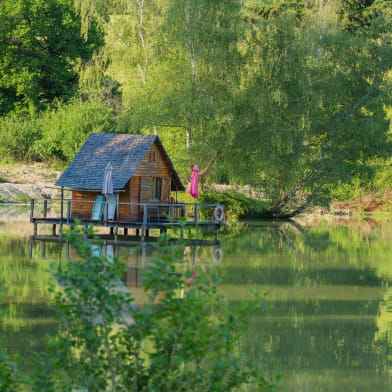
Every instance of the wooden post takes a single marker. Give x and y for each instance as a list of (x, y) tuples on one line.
[(62, 204), (137, 232), (32, 210), (125, 230), (117, 212), (54, 229), (115, 233), (45, 207), (35, 228)]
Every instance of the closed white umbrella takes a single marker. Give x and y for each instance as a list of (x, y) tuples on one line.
[(107, 190), (107, 186)]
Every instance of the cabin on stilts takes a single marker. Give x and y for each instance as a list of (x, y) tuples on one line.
[(144, 188)]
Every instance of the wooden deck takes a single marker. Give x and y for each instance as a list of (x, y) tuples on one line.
[(59, 212)]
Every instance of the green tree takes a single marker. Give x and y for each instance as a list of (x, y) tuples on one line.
[(41, 52), (311, 105), (177, 61), (288, 89), (356, 14)]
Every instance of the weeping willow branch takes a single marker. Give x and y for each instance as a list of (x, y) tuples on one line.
[(278, 210), (204, 172)]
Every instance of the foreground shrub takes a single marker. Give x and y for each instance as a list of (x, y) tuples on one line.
[(237, 204), (55, 134), (18, 134), (176, 342), (66, 128)]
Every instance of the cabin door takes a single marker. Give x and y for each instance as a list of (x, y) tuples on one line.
[(134, 197)]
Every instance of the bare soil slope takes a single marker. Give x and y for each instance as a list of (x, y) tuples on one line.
[(20, 182)]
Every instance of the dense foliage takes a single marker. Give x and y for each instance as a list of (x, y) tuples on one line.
[(41, 52), (292, 98), (179, 341)]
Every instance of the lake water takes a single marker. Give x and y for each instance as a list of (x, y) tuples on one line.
[(328, 326)]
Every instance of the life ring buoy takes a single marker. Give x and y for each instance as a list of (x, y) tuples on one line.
[(219, 213), (217, 256)]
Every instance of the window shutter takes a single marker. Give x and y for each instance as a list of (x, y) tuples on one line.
[(166, 188)]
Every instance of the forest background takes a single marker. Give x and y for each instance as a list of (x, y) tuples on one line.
[(292, 98)]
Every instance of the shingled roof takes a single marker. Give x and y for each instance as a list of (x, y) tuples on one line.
[(125, 152)]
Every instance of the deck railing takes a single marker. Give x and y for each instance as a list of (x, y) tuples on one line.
[(145, 214)]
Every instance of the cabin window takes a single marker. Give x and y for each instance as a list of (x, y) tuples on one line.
[(156, 186), (152, 157)]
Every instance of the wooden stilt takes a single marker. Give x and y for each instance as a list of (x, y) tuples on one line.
[(54, 229), (112, 230), (125, 230), (62, 204), (35, 229)]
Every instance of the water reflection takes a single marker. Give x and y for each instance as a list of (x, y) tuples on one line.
[(328, 292), (329, 322), (134, 254)]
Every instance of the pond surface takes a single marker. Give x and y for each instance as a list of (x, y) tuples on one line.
[(328, 326)]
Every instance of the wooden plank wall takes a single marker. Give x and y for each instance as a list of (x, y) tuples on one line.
[(82, 210), (158, 167), (138, 189), (131, 194)]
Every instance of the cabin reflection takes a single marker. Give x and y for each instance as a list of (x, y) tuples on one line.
[(135, 255)]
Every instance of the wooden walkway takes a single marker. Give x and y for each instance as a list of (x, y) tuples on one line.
[(58, 213)]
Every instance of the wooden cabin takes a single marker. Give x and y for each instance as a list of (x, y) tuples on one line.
[(142, 173)]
